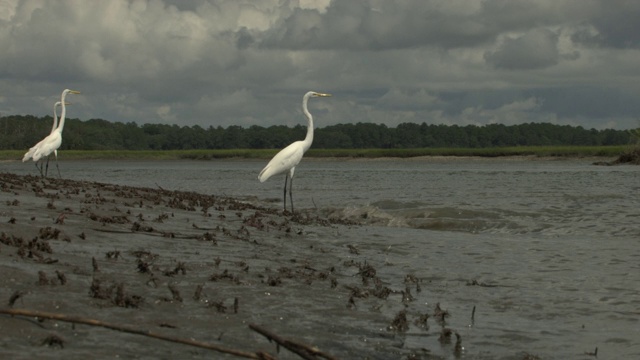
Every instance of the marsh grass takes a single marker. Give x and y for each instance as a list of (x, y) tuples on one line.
[(541, 151)]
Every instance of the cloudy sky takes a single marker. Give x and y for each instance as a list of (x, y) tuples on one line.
[(246, 62)]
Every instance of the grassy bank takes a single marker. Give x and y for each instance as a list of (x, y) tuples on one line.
[(571, 151), (560, 151), (146, 154)]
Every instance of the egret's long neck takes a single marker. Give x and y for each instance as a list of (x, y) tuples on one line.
[(63, 113), (55, 117), (309, 138)]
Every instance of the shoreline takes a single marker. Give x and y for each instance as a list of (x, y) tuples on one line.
[(266, 154)]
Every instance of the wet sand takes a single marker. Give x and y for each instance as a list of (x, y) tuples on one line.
[(190, 266)]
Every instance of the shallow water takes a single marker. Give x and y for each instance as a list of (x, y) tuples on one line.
[(520, 196), (551, 245)]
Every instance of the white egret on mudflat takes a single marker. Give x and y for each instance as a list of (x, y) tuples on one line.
[(288, 158), (51, 143)]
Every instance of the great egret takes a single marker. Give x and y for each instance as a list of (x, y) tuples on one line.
[(51, 143), (288, 158), (29, 154)]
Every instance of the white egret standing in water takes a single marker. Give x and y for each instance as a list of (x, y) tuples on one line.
[(288, 158), (29, 154), (51, 143)]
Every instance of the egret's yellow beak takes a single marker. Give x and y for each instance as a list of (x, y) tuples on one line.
[(74, 92), (323, 95)]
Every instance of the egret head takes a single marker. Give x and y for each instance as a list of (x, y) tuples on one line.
[(68, 91)]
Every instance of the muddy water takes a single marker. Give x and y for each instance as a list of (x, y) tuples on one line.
[(546, 252)]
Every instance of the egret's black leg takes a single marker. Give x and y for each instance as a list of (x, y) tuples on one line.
[(286, 178), (46, 170), (290, 191), (39, 168), (58, 167)]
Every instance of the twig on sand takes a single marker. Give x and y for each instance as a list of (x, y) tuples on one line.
[(304, 351), (131, 330)]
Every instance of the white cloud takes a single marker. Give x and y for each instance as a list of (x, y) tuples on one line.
[(8, 9)]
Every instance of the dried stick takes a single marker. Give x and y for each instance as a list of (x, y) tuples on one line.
[(131, 330), (304, 351)]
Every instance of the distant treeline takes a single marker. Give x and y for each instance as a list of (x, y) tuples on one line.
[(21, 132)]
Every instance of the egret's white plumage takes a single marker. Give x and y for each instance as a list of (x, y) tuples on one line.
[(29, 154), (288, 158), (51, 143)]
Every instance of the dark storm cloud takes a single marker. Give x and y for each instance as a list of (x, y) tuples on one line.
[(381, 25), (618, 24), (536, 49)]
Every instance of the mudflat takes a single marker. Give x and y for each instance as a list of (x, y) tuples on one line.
[(186, 266)]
